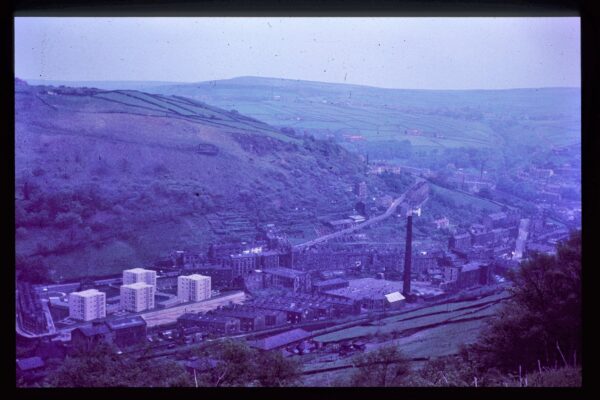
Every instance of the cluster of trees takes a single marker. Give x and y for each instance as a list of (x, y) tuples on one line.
[(102, 367), (519, 189), (61, 209), (32, 269), (236, 365), (240, 365), (397, 183), (541, 324)]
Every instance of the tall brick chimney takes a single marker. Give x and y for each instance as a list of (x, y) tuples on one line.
[(408, 255)]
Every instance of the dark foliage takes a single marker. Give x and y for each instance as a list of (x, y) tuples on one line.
[(541, 324)]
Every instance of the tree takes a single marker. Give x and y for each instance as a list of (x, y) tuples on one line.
[(542, 321), (100, 366), (274, 370), (32, 269), (240, 365), (439, 372), (386, 366)]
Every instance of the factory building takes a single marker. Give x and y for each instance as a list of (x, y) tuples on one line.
[(194, 287), (137, 297), (128, 331), (87, 305)]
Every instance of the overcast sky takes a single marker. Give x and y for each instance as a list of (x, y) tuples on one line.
[(410, 53)]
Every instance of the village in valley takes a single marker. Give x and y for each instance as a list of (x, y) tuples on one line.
[(299, 299)]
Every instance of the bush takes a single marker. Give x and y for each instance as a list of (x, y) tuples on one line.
[(386, 366), (562, 377)]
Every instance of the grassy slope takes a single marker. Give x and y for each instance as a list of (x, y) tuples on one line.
[(383, 114), (436, 341), (420, 318), (125, 162)]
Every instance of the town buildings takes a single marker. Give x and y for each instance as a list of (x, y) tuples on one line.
[(209, 323), (288, 278), (194, 287), (330, 284), (360, 190), (371, 293), (221, 276), (87, 305), (460, 243), (136, 275), (122, 332), (128, 331), (137, 297)]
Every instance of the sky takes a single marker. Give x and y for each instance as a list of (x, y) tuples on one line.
[(404, 53)]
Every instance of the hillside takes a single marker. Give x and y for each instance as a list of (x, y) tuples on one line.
[(444, 118), (107, 180)]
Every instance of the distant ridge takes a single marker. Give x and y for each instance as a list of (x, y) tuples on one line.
[(248, 79)]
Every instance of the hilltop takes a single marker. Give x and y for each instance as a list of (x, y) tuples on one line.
[(442, 118), (110, 179), (376, 120)]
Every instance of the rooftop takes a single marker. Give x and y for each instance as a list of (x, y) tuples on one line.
[(195, 277), (127, 322), (88, 293), (138, 270), (370, 288), (26, 364), (394, 297), (240, 313), (93, 330), (279, 340), (206, 318), (137, 285), (286, 272), (333, 281), (471, 266)]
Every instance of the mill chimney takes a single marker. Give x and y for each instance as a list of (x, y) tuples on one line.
[(408, 255)]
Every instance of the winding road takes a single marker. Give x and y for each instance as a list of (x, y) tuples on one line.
[(369, 222)]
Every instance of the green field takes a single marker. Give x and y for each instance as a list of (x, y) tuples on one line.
[(419, 318), (454, 325), (464, 118)]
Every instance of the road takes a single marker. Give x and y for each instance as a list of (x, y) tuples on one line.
[(369, 222), (521, 239), (170, 315)]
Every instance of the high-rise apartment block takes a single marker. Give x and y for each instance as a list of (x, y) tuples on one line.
[(136, 275), (193, 288), (87, 305), (137, 297)]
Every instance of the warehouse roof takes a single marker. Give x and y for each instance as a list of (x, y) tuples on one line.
[(280, 340), (367, 288), (285, 272), (334, 281), (93, 330)]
